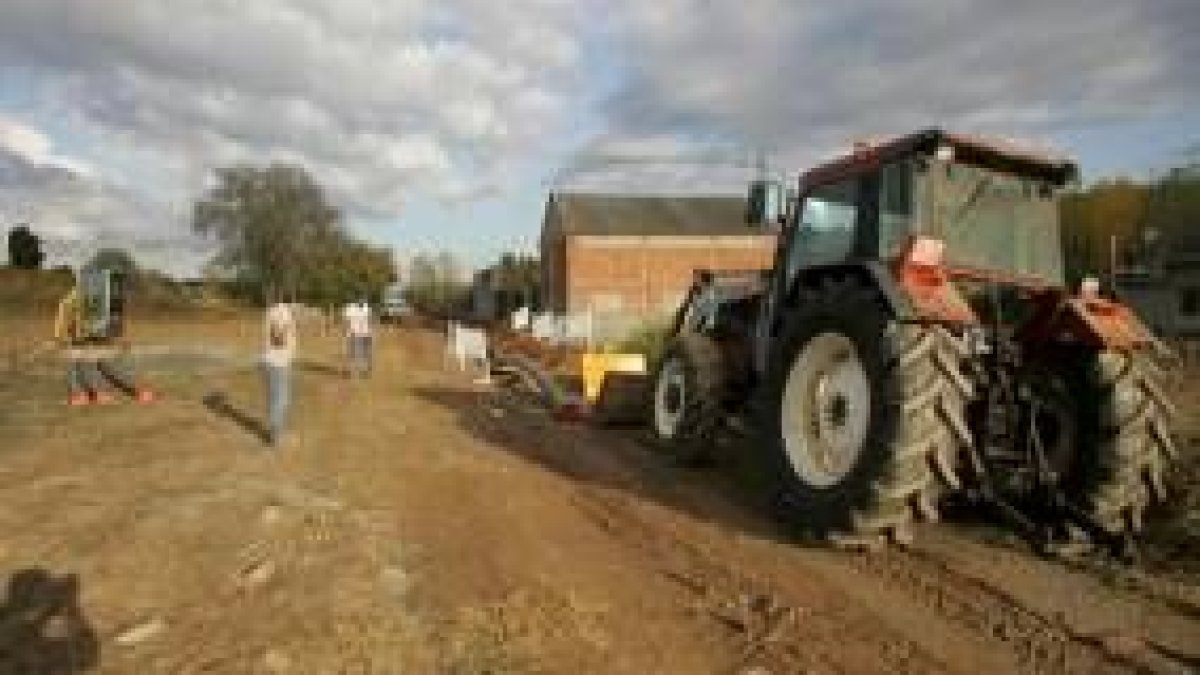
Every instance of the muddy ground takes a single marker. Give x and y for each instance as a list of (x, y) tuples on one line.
[(418, 522)]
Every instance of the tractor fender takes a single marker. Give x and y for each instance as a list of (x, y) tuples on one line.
[(911, 292), (1095, 322)]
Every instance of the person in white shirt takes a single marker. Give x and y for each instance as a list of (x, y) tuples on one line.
[(358, 338), (278, 352)]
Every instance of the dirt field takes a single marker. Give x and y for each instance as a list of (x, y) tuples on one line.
[(419, 523)]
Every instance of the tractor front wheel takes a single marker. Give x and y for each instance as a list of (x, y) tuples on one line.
[(688, 390)]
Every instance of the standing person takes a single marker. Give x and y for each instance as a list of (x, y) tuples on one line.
[(280, 349), (358, 337)]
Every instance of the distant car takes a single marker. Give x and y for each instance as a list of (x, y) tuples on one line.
[(394, 308)]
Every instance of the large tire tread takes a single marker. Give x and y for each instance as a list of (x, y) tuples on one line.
[(704, 373), (925, 392), (1132, 441)]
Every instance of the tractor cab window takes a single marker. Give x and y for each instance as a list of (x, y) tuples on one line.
[(826, 229), (996, 220), (895, 207)]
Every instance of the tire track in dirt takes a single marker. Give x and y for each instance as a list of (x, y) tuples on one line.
[(1053, 625), (765, 620), (1042, 644), (1040, 641), (771, 630), (636, 502)]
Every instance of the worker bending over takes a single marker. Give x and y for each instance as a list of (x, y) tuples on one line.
[(89, 326)]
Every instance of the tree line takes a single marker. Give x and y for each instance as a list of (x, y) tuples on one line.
[(1129, 223), (276, 234), (438, 284), (278, 237)]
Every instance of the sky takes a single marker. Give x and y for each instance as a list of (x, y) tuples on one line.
[(443, 124)]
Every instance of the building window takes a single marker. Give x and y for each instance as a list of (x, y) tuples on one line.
[(1189, 301)]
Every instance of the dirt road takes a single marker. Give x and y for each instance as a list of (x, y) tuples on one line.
[(417, 523)]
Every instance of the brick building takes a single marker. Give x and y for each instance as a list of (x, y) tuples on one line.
[(631, 258)]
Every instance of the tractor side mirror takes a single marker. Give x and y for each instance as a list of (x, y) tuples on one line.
[(763, 202), (790, 205)]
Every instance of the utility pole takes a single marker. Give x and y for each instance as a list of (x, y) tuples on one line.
[(1112, 263)]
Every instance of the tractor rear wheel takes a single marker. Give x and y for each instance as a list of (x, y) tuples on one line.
[(864, 417), (1125, 428), (688, 391)]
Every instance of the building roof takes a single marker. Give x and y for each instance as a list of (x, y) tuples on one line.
[(643, 215)]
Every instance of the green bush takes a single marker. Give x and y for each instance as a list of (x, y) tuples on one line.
[(649, 339)]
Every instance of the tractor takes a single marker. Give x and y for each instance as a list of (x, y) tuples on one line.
[(915, 344)]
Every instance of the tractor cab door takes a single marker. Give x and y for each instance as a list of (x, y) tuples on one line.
[(825, 231), (867, 215), (858, 216)]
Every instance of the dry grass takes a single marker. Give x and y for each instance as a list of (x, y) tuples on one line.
[(31, 291), (179, 525)]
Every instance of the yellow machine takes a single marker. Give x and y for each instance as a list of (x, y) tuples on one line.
[(597, 366), (614, 386)]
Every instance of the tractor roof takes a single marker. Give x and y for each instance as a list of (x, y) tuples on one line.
[(1001, 155)]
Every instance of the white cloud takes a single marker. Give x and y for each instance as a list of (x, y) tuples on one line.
[(76, 213), (802, 77), (35, 147), (453, 99), (425, 95), (659, 163)]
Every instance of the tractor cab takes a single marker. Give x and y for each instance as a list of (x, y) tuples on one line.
[(992, 207)]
